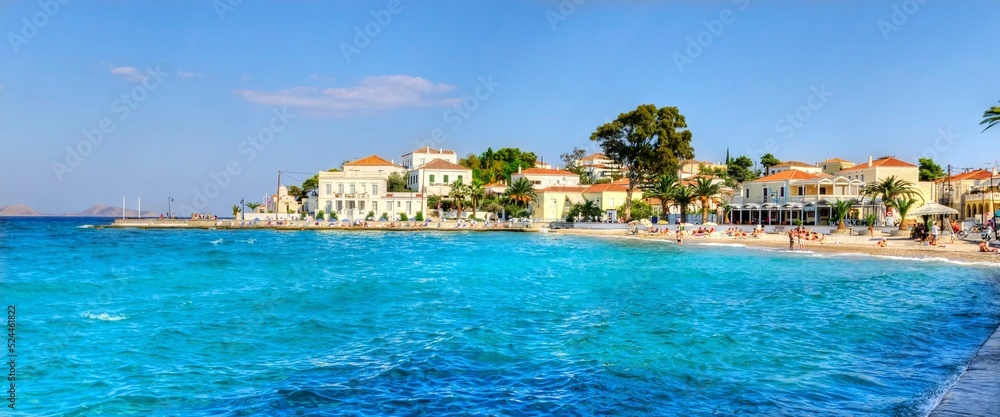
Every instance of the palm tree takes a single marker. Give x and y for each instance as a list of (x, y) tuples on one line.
[(476, 193), (590, 210), (236, 210), (683, 196), (663, 188), (704, 189), (521, 192), (903, 206), (726, 210), (253, 207), (458, 192), (991, 117), (889, 189), (839, 210)]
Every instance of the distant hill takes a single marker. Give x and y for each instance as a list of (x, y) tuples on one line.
[(101, 210), (93, 211), (18, 210)]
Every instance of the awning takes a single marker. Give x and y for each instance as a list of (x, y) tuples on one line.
[(575, 198)]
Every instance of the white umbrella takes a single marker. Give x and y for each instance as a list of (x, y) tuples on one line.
[(932, 209)]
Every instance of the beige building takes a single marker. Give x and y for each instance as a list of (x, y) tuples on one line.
[(436, 177), (425, 155), (553, 203), (951, 191), (834, 165), (542, 178), (796, 165), (691, 167), (598, 166)]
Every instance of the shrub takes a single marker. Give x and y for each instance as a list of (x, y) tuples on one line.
[(320, 215), (419, 217), (403, 217)]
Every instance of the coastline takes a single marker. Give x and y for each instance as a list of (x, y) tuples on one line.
[(898, 247)]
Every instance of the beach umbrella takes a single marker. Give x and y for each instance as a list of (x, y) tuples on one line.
[(932, 209)]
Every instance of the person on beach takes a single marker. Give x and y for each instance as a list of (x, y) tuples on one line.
[(935, 231), (791, 240), (985, 247), (680, 235), (801, 234), (882, 243)]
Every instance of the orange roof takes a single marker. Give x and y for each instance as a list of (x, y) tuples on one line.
[(428, 149), (438, 163), (792, 174), (545, 171), (836, 160), (594, 156), (563, 189), (373, 160), (979, 174), (887, 162), (620, 185), (795, 164)]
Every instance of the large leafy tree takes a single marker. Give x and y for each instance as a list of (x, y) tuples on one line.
[(521, 192), (663, 188), (395, 183), (991, 117), (768, 161), (930, 171), (704, 190), (648, 142), (571, 160), (740, 170), (640, 210), (311, 183)]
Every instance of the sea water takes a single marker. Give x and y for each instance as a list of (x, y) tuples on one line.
[(197, 322)]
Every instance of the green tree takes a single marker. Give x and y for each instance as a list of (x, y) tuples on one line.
[(310, 183), (332, 215), (476, 193), (991, 117), (890, 188), (395, 183), (663, 187), (768, 161), (930, 171), (236, 210), (521, 192), (647, 141), (903, 206), (458, 194), (590, 210), (683, 196), (419, 217), (640, 210), (704, 190), (739, 171), (571, 160), (320, 215), (253, 207), (839, 210)]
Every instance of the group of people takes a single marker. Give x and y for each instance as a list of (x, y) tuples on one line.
[(800, 234), (923, 235)]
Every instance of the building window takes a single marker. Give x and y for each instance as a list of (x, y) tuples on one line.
[(781, 191), (446, 179), (340, 188), (432, 179), (364, 188), (361, 205), (822, 190), (340, 206), (802, 190), (353, 190), (329, 189), (611, 202), (421, 161), (862, 177), (375, 189), (747, 192), (765, 191), (375, 205), (409, 207), (329, 206)]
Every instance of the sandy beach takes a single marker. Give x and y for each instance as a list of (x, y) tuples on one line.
[(957, 250)]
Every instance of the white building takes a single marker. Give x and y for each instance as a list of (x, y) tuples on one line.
[(599, 166), (361, 188), (542, 178), (796, 165), (425, 155), (436, 176)]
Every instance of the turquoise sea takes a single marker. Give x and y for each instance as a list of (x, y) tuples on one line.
[(240, 323)]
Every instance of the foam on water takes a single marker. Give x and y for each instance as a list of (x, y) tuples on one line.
[(103, 316)]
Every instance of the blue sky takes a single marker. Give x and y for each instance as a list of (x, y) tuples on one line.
[(803, 80)]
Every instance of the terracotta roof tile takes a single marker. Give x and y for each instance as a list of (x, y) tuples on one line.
[(791, 174), (428, 149), (438, 163), (373, 160), (979, 174), (795, 164), (836, 160), (594, 156), (888, 162), (563, 189)]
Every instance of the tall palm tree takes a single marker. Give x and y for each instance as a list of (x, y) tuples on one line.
[(839, 210), (476, 193), (991, 117), (236, 210), (458, 192), (663, 188), (521, 192), (683, 196), (903, 206), (253, 207), (889, 189), (704, 189)]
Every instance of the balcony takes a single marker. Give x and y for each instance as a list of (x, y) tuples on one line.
[(982, 197)]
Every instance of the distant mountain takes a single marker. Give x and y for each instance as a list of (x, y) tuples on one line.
[(93, 211), (18, 210), (101, 210)]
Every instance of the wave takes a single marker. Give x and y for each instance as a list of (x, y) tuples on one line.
[(103, 316), (217, 241), (85, 226), (730, 245)]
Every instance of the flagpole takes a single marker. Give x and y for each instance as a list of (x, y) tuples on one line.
[(140, 207), (123, 207)]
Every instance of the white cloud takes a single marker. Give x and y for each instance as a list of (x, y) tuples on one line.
[(186, 74), (317, 77), (375, 93), (129, 74)]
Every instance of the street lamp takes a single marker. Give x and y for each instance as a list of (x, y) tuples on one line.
[(243, 209), (169, 200)]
